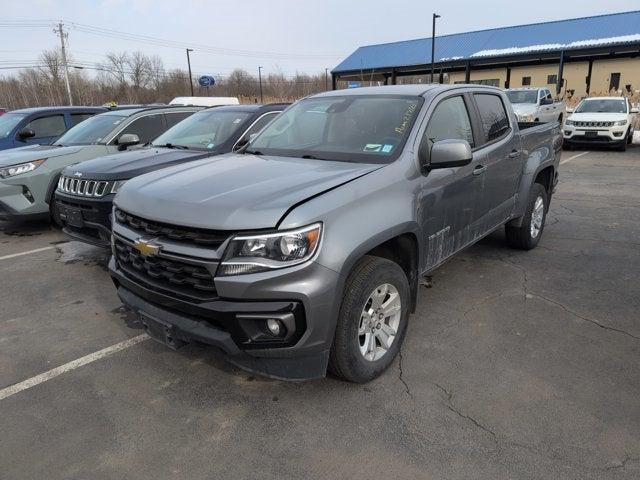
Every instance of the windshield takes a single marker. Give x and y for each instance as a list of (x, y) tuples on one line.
[(8, 122), (602, 106), (358, 128), (523, 96), (203, 130), (91, 131)]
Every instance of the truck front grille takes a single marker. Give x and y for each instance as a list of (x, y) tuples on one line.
[(84, 188), (210, 238), (169, 275)]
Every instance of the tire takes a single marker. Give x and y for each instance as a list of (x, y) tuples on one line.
[(567, 146), (560, 119), (524, 237), (54, 214), (347, 359), (622, 146), (630, 137)]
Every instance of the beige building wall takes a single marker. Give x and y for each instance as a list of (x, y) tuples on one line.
[(575, 75)]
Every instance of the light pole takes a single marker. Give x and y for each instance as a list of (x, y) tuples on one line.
[(326, 79), (189, 65), (433, 45), (260, 82)]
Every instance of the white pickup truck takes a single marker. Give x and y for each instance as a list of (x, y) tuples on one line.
[(536, 105)]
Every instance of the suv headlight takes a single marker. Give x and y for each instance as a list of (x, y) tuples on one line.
[(269, 251), (21, 168), (620, 123), (117, 185), (568, 122)]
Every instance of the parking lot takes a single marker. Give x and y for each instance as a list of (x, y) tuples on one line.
[(516, 365)]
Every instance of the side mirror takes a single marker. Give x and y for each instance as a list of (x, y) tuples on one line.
[(26, 133), (447, 154), (127, 140)]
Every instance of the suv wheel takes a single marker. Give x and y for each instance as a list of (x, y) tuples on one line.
[(527, 236), (372, 322)]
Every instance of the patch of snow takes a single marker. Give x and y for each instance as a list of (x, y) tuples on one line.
[(557, 46), (447, 59)]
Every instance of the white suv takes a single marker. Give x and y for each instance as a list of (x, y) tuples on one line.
[(600, 120)]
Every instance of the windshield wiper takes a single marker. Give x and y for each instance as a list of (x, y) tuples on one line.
[(253, 152), (171, 145), (311, 157)]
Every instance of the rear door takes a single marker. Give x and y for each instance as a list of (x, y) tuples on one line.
[(449, 197), (501, 155)]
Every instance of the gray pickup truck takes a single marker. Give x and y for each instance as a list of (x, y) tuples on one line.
[(305, 251)]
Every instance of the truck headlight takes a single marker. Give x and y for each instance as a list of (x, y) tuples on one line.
[(269, 251), (21, 168), (620, 123), (117, 185)]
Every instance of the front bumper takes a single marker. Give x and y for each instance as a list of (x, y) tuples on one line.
[(86, 219), (591, 135), (24, 196), (304, 294)]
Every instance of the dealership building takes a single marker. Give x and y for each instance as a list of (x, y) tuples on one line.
[(576, 57)]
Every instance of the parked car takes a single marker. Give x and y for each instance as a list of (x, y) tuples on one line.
[(29, 175), (205, 101), (600, 121), (536, 105), (305, 250), (85, 192), (3, 111), (42, 125)]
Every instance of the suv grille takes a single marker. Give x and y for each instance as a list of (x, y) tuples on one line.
[(174, 276), (84, 188), (593, 124), (199, 236)]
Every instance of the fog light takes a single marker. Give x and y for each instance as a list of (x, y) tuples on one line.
[(617, 134), (274, 326), (28, 195)]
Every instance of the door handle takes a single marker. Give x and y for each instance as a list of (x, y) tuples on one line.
[(515, 154), (479, 169)]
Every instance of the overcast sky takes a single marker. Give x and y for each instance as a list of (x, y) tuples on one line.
[(293, 35)]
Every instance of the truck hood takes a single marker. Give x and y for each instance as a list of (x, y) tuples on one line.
[(15, 156), (233, 191), (126, 165), (524, 108), (597, 117)]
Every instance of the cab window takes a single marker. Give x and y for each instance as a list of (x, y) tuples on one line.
[(146, 128), (51, 126), (450, 121), (493, 116)]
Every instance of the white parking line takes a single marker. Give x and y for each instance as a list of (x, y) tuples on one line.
[(574, 157), (92, 357), (14, 255)]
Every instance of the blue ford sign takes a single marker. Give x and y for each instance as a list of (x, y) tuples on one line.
[(207, 81), (354, 85)]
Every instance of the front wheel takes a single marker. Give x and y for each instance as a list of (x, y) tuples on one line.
[(527, 235), (372, 322)]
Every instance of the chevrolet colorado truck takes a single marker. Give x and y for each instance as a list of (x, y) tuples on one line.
[(85, 191), (303, 252), (536, 105)]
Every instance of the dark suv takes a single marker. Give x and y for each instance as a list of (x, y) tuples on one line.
[(85, 192)]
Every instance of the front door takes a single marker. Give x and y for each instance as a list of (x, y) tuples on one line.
[(449, 197)]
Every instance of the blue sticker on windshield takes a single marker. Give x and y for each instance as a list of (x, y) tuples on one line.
[(387, 148)]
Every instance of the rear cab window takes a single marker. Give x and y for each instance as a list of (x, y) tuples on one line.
[(493, 116)]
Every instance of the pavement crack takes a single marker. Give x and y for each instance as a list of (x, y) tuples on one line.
[(586, 319), (400, 374), (623, 464), (472, 420)]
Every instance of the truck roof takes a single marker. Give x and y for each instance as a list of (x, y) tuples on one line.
[(411, 90)]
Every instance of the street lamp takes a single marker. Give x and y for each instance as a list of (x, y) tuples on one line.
[(189, 64), (433, 45), (326, 79), (260, 82)]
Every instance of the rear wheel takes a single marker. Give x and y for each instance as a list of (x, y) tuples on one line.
[(372, 322), (527, 235)]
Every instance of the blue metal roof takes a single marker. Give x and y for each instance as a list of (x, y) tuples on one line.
[(611, 29)]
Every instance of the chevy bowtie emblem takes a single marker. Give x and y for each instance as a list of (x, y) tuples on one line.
[(146, 247)]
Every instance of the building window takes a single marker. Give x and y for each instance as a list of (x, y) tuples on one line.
[(526, 81), (614, 82), (552, 79)]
